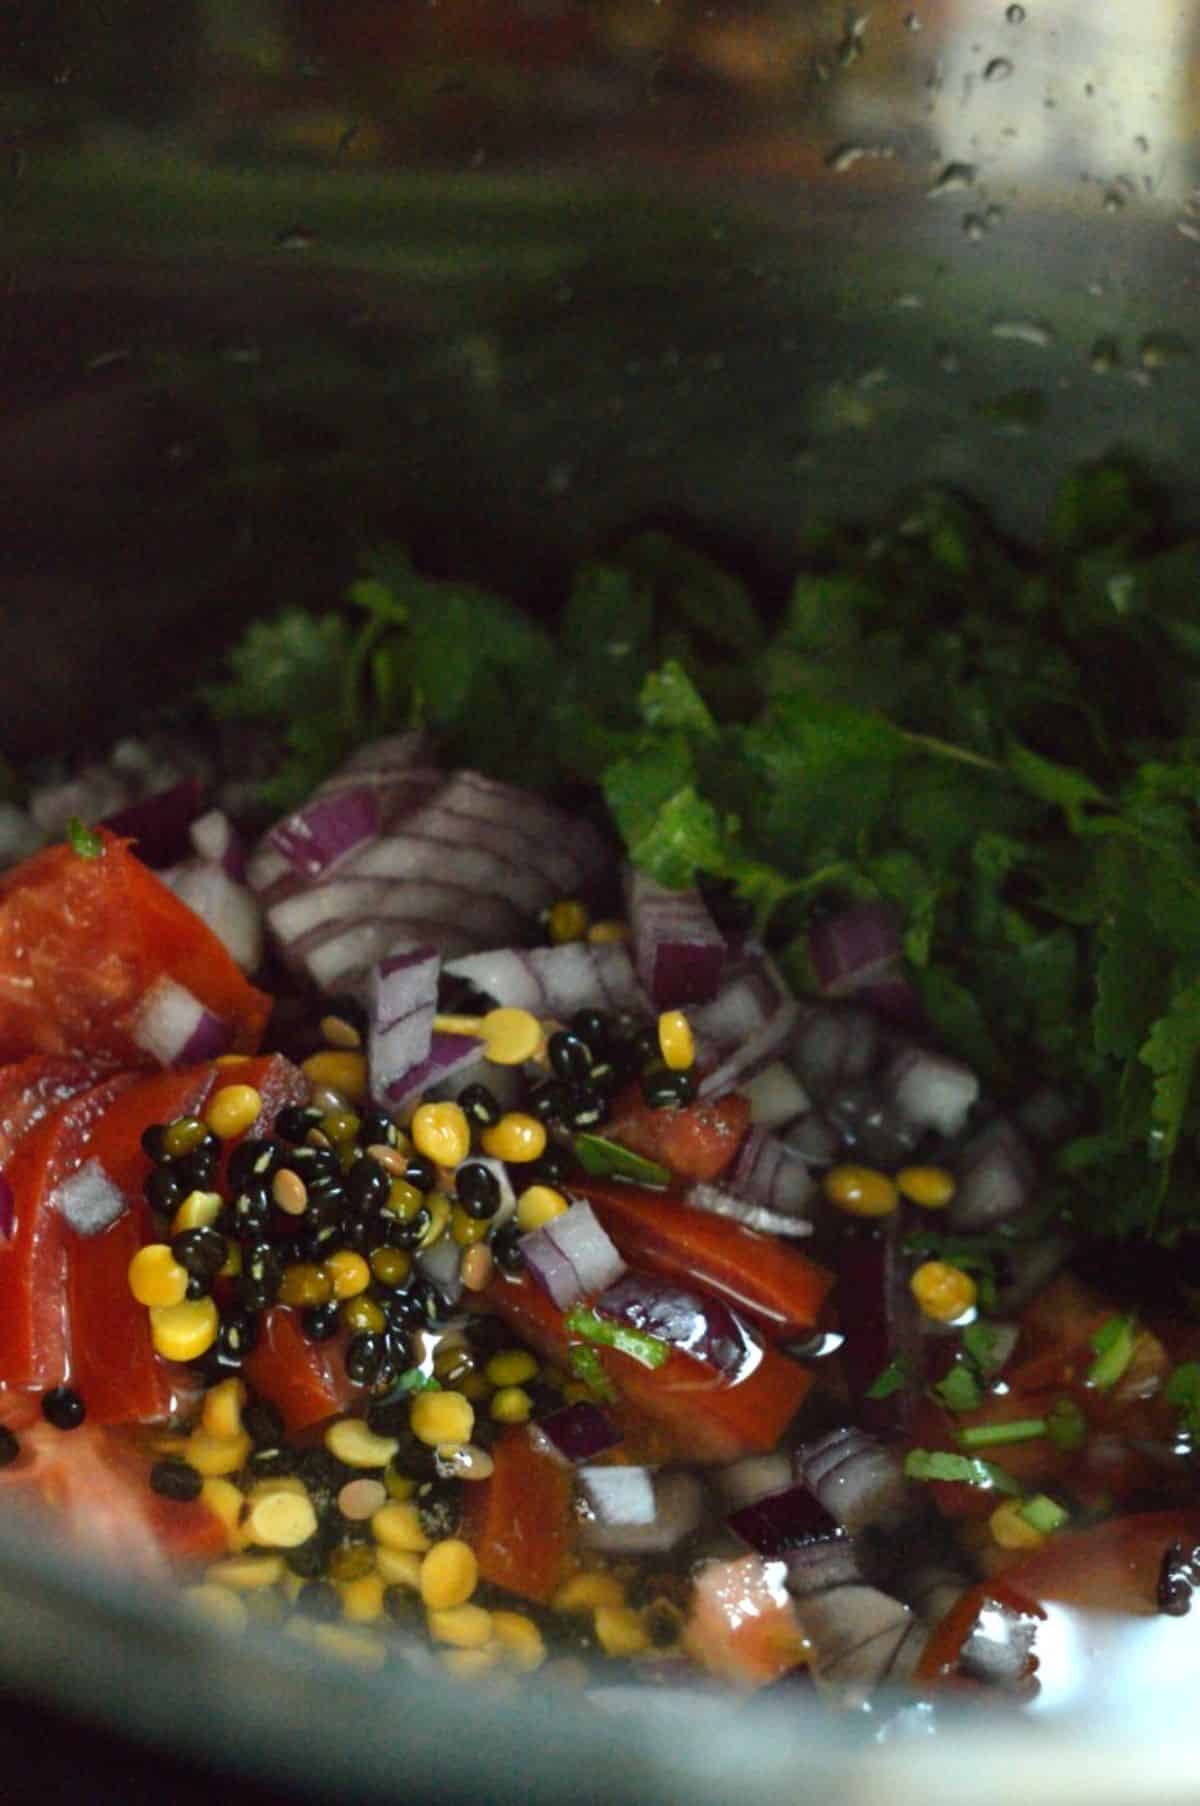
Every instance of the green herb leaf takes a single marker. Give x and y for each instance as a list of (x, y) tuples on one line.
[(1066, 1425), (1045, 1513), (1183, 1391), (997, 1435), (967, 1470), (584, 1363), (960, 1390), (890, 1379), (648, 1350), (84, 840), (603, 1159), (1113, 1344)]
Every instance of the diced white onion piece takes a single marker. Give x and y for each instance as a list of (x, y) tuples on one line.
[(931, 1090), (580, 1238), (441, 1265), (88, 1199), (175, 1028), (856, 1479), (619, 1495), (768, 1174), (228, 908), (776, 1096), (754, 1477), (677, 1510)]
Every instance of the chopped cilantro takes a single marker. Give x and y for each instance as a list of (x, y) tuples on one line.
[(1066, 1425), (1113, 1345), (960, 1390), (603, 1158), (1183, 1391), (968, 1470), (997, 1435), (83, 840), (890, 1379), (1045, 1513), (584, 1363), (648, 1350)]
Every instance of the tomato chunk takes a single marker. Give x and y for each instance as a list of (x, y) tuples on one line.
[(700, 1415), (30, 1089), (776, 1286), (743, 1626), (305, 1380), (696, 1143), (518, 1521), (82, 941)]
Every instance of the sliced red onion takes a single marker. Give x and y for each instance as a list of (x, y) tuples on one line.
[(8, 1206), (506, 973), (679, 951), (834, 1046), (230, 909), (995, 1174), (551, 1269), (748, 1024), (861, 1638), (580, 1238), (776, 1096), (699, 1325), (441, 1266), (766, 1173), (403, 1003), (720, 1202), (895, 998), (88, 1199), (159, 824), (856, 1479), (576, 1433), (554, 981), (854, 946), (468, 809), (214, 838), (415, 856), (340, 956), (811, 1139), (175, 1028), (351, 898), (551, 831), (754, 1477), (782, 1521), (880, 1324), (932, 1090), (820, 1567), (678, 1506), (450, 1057), (325, 831)]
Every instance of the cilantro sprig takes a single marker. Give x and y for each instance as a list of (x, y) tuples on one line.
[(1003, 744)]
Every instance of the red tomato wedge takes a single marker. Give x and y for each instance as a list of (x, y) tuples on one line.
[(113, 1364), (305, 1380), (30, 1089), (704, 1417), (34, 1331), (1110, 1568), (696, 1143), (743, 1626), (83, 940), (777, 1287), (95, 1483), (518, 1521)]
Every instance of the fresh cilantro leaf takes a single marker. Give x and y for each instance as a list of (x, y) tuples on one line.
[(1170, 1051), (967, 1470), (669, 699), (1113, 1345), (696, 591), (890, 1379), (585, 1364), (284, 668), (1066, 1425), (604, 1158), (83, 840), (1183, 1391), (982, 1345), (648, 1351), (960, 1390), (1053, 783)]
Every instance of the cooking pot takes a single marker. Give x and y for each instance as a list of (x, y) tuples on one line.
[(500, 280)]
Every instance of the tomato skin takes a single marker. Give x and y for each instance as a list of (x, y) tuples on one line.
[(518, 1521), (31, 1088), (775, 1285), (697, 1143), (696, 1415), (83, 940), (742, 1627)]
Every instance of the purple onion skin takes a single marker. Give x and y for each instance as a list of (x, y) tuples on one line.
[(158, 824), (854, 947), (878, 1320), (783, 1521), (208, 1040), (687, 972), (579, 1431)]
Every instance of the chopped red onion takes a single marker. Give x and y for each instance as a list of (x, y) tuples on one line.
[(679, 951), (415, 856), (995, 1174), (701, 1326), (746, 1026), (325, 831), (782, 1521), (754, 1477), (820, 1567), (403, 1002), (88, 1199), (766, 1173), (811, 1139), (344, 899), (175, 1028), (861, 1637), (228, 908), (834, 1046), (854, 946), (441, 1266), (856, 1479), (677, 1508), (776, 1096), (932, 1090), (339, 956), (158, 824), (576, 1433), (722, 1203), (554, 981), (214, 838), (450, 1057), (580, 1238), (619, 1495), (551, 1269), (8, 1206), (880, 1323)]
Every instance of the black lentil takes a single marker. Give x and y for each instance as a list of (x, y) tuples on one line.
[(586, 1108), (237, 1335), (365, 1357), (366, 1186), (197, 1170), (420, 1172), (320, 1321), (252, 1210), (570, 1056), (175, 1480), (153, 1143), (377, 1129), (403, 1606), (200, 1252), (665, 1090), (592, 1028), (403, 1232), (477, 1189), (271, 1461), (63, 1407), (164, 1190), (262, 1422), (1176, 1581), (414, 1459), (198, 1286), (254, 1161), (548, 1100), (261, 1275), (552, 1166), (307, 1561), (479, 1106), (506, 1248), (10, 1448), (294, 1122), (440, 1507)]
